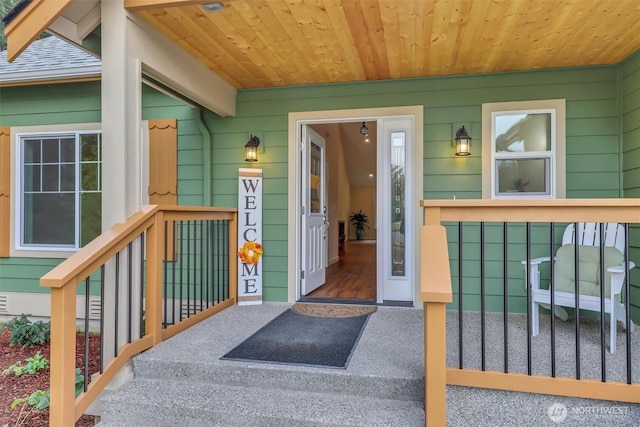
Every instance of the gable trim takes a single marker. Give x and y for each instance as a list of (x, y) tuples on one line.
[(30, 23)]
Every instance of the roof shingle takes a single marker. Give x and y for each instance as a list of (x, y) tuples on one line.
[(48, 58)]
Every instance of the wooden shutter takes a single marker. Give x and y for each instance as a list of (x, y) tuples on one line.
[(5, 188), (163, 171), (163, 162)]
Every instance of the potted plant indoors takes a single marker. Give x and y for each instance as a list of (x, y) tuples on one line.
[(360, 221)]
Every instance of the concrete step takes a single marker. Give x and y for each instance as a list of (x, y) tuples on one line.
[(154, 402), (184, 382), (324, 380)]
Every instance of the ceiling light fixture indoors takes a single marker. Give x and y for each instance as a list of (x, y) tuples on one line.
[(364, 130)]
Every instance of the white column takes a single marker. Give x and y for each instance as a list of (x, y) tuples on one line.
[(121, 115), (121, 166)]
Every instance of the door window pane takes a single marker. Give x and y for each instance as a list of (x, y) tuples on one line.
[(523, 176), (398, 168), (90, 188), (314, 178), (49, 219), (523, 132)]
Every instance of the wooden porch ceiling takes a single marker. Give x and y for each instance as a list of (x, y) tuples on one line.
[(271, 43)]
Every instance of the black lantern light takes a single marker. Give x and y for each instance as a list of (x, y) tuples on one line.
[(463, 142), (251, 149)]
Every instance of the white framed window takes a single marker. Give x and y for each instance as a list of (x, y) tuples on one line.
[(523, 149), (58, 186)]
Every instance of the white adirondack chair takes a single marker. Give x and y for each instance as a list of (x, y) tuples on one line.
[(588, 238)]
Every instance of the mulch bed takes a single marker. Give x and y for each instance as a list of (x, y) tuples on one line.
[(12, 387)]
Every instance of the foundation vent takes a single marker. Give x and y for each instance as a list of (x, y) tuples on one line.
[(94, 308), (189, 308), (4, 304)]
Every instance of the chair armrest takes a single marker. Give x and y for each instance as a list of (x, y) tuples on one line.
[(620, 268), (536, 261)]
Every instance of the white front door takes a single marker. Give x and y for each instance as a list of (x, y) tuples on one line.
[(314, 211)]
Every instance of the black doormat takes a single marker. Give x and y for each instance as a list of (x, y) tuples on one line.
[(299, 339)]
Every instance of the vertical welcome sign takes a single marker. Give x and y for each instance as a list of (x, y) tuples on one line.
[(249, 236)]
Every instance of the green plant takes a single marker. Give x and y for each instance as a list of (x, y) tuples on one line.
[(34, 364), (36, 401), (79, 382), (40, 399), (360, 221), (26, 333)]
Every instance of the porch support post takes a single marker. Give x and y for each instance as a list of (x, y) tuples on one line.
[(435, 362), (63, 359), (121, 116), (435, 293), (121, 94)]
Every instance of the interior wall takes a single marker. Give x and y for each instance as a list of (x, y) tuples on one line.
[(334, 151), (363, 198), (344, 191)]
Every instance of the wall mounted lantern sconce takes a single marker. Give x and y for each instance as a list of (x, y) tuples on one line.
[(251, 149), (463, 142)]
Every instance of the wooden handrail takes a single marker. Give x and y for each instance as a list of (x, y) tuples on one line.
[(564, 210), (63, 281)]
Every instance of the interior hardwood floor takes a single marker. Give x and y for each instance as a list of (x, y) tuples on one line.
[(354, 275)]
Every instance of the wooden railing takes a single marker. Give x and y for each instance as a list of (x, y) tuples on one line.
[(133, 257), (440, 218)]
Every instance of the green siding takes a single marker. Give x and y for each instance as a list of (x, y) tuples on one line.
[(630, 133), (592, 138), (42, 105), (603, 120), (80, 103)]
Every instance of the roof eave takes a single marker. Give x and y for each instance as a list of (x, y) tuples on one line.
[(61, 75)]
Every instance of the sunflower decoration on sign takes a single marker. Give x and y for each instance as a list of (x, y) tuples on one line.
[(250, 252)]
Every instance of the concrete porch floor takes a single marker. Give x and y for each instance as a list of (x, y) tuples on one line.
[(391, 349)]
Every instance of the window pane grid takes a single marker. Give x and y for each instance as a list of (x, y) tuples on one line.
[(523, 150), (51, 204)]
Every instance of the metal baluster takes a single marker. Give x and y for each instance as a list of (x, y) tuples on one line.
[(576, 268), (627, 299), (202, 237), (102, 318), (460, 299), (87, 289), (117, 298), (165, 279), (528, 284), (181, 269), (603, 364), (553, 299), (129, 291), (189, 225), (505, 305), (142, 284), (482, 299)]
